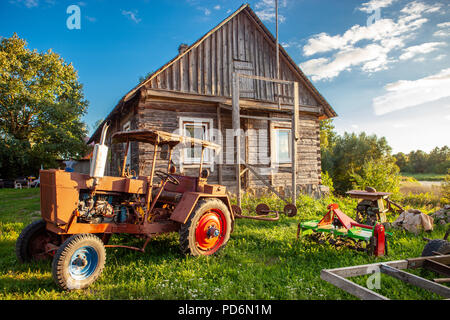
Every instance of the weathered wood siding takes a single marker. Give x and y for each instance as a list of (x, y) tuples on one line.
[(241, 46)]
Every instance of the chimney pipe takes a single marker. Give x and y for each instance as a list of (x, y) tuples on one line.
[(182, 48)]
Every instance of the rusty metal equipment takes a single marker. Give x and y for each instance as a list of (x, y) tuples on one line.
[(264, 213), (340, 230), (373, 206), (80, 212), (440, 264)]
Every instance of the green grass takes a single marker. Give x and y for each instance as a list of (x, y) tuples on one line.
[(262, 260), (425, 176)]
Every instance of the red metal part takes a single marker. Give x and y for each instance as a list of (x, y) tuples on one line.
[(380, 240), (346, 221)]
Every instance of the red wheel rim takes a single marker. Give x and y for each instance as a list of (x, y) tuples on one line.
[(210, 231)]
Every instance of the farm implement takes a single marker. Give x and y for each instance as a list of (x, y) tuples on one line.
[(373, 206), (264, 213), (340, 230)]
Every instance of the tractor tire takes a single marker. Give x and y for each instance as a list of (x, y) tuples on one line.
[(78, 262), (30, 245), (437, 245), (207, 230)]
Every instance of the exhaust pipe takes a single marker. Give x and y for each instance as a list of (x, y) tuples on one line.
[(98, 162)]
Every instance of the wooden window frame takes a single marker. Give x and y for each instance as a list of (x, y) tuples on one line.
[(208, 153)]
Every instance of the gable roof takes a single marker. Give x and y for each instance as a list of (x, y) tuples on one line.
[(283, 54)]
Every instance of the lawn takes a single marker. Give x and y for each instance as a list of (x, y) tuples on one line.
[(262, 260)]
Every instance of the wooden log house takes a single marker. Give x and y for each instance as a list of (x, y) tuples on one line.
[(193, 93)]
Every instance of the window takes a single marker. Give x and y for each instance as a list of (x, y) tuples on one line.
[(198, 128), (283, 142)]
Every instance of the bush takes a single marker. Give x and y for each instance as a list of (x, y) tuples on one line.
[(382, 174), (327, 181)]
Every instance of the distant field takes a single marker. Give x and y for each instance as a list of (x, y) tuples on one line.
[(424, 176), (262, 260)]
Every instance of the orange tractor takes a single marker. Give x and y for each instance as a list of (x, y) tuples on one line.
[(80, 212)]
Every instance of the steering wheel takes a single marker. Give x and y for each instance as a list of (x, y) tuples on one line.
[(170, 178)]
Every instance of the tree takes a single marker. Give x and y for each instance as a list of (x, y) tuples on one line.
[(402, 161), (41, 105), (349, 156), (418, 161)]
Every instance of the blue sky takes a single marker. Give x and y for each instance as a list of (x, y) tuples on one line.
[(384, 65)]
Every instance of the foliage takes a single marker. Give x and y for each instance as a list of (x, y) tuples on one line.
[(41, 105), (381, 174), (327, 181), (349, 155), (427, 202), (437, 161)]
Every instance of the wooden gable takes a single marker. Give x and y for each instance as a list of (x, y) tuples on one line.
[(241, 43)]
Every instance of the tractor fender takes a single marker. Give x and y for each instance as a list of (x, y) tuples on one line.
[(188, 202)]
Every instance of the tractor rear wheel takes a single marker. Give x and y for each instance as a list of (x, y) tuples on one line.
[(79, 261), (32, 242), (207, 229)]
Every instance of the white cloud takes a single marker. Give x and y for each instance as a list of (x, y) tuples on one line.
[(444, 25), (445, 32), (404, 93), (373, 5), (442, 33), (26, 3), (131, 15), (372, 58), (265, 10), (440, 57), (383, 35), (217, 7), (423, 48)]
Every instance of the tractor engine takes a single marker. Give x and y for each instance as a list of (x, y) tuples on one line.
[(103, 209)]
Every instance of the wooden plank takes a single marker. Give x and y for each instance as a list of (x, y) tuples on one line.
[(262, 78), (350, 287), (360, 270), (442, 280), (418, 262), (266, 118), (236, 125), (192, 66), (219, 129), (437, 267), (415, 280)]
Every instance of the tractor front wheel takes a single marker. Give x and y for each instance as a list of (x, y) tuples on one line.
[(78, 262), (207, 229)]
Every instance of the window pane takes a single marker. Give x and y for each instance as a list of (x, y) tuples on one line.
[(283, 145), (197, 131)]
